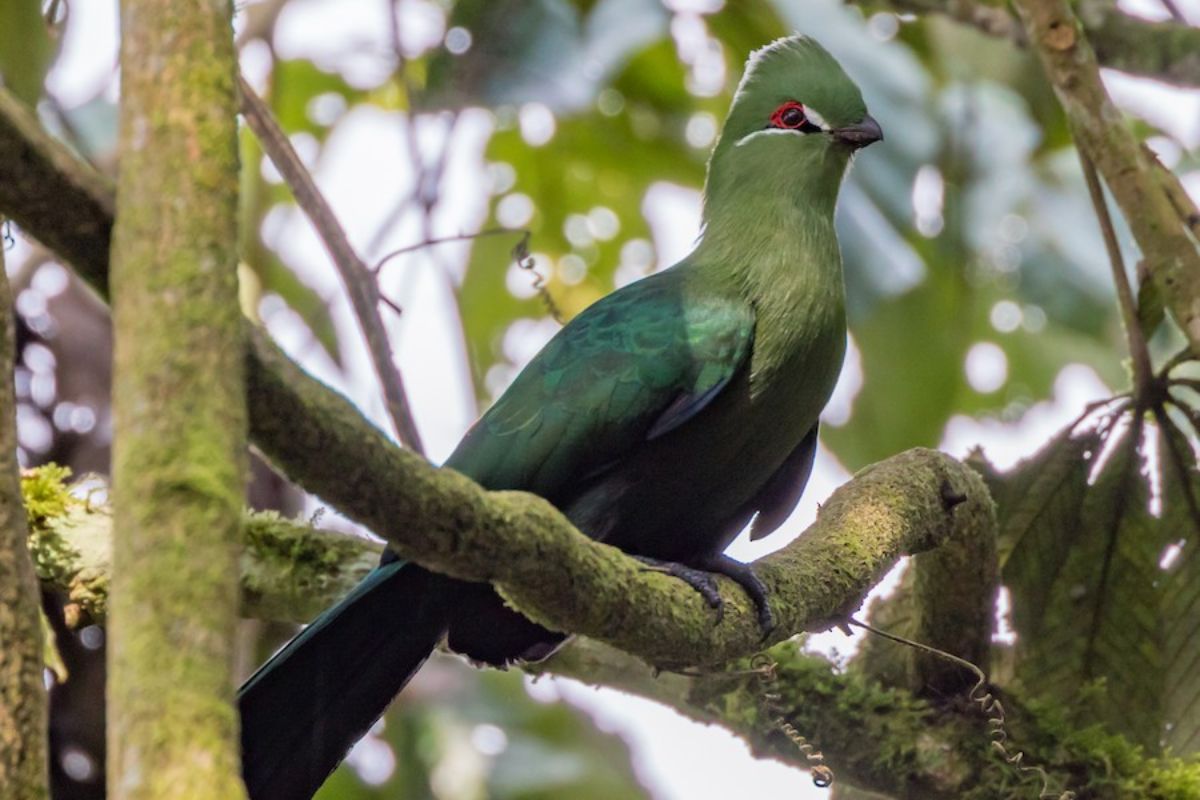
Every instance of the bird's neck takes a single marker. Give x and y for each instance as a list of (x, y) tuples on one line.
[(780, 254), (779, 249)]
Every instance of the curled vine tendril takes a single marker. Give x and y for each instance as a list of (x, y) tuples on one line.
[(989, 705), (520, 254), (765, 668)]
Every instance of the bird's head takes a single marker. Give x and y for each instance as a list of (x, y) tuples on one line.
[(796, 120)]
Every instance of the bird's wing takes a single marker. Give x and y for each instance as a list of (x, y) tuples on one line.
[(777, 498), (635, 365)]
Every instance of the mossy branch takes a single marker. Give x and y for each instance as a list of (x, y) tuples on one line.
[(1165, 51), (876, 737), (946, 600), (448, 523), (887, 740), (290, 571)]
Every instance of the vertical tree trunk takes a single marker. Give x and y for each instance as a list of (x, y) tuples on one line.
[(22, 694), (178, 406)]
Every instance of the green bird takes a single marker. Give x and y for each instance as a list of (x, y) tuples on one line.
[(662, 420)]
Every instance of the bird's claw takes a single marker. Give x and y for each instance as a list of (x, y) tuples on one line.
[(743, 575), (700, 577)]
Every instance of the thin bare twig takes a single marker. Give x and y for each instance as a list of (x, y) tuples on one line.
[(425, 180), (1174, 11), (1143, 374), (356, 275), (461, 237)]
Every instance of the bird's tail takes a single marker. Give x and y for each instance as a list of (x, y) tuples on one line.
[(304, 709)]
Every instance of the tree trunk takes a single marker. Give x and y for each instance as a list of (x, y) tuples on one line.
[(178, 406), (22, 693)]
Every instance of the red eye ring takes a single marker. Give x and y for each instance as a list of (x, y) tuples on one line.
[(789, 115)]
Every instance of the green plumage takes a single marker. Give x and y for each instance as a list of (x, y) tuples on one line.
[(661, 420), (656, 417)]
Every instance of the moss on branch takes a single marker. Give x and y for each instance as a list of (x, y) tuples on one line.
[(876, 737), (446, 522), (290, 571), (179, 415), (887, 740), (881, 738)]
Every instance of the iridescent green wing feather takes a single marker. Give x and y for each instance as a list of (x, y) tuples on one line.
[(635, 365)]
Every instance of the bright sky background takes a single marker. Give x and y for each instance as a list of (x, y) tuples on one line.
[(365, 168)]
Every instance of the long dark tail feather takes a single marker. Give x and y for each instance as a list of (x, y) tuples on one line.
[(304, 709)]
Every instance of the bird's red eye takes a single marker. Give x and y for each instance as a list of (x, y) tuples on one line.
[(789, 115)]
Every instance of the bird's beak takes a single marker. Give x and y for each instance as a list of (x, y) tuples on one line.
[(861, 134)]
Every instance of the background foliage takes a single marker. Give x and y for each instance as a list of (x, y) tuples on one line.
[(975, 274)]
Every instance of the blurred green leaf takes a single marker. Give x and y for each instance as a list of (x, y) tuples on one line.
[(587, 185), (912, 353), (1150, 309), (25, 50), (297, 85), (746, 26), (551, 51)]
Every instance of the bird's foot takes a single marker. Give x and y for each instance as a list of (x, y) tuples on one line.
[(700, 577), (743, 575)]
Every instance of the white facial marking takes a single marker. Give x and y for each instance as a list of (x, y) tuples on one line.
[(766, 132), (815, 118)]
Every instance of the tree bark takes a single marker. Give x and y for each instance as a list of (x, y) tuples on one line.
[(22, 693), (178, 407), (1129, 171), (1163, 51)]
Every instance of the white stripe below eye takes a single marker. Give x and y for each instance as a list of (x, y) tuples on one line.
[(767, 132)]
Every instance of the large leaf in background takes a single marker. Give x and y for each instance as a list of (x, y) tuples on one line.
[(1181, 592), (1038, 503), (1096, 644), (549, 51), (25, 51), (492, 741)]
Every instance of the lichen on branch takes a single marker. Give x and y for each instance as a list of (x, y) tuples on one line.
[(290, 570)]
